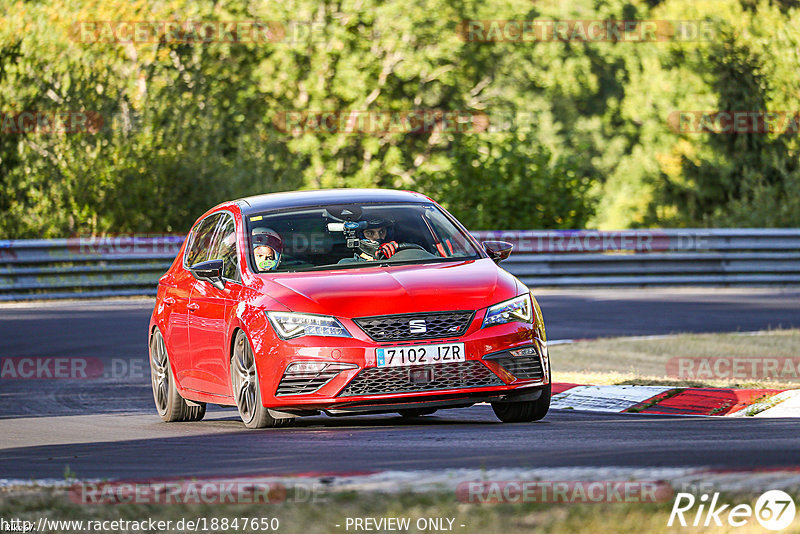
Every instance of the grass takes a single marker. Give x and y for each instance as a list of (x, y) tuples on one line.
[(644, 361), (322, 517)]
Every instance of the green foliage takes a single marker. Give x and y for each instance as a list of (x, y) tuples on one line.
[(510, 183), (579, 132), (742, 178)]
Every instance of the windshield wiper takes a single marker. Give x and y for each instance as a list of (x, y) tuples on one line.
[(379, 263), (429, 260), (337, 266)]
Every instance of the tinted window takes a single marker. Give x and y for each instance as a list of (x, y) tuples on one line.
[(316, 238), (202, 240), (447, 242), (225, 248)]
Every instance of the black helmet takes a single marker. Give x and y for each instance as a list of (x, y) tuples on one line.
[(378, 222), (374, 223)]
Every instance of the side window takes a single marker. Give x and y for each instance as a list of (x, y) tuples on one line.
[(225, 248), (202, 240), (451, 241)]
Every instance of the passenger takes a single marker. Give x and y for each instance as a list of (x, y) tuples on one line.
[(267, 248)]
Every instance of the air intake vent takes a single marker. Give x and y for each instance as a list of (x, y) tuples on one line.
[(523, 363), (302, 378), (383, 380)]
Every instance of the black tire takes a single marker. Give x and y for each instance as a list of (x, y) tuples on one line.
[(524, 412), (169, 403), (246, 387), (417, 412)]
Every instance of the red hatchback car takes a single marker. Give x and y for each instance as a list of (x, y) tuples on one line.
[(343, 302)]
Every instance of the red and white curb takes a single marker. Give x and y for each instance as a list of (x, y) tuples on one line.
[(669, 400), (604, 398)]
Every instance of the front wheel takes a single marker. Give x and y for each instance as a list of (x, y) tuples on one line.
[(526, 411), (246, 387), (169, 403)]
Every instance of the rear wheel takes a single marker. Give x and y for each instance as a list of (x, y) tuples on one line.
[(246, 388), (169, 403), (523, 412), (416, 412)]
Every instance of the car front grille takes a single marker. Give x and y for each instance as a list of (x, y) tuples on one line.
[(524, 368), (386, 380), (410, 326)]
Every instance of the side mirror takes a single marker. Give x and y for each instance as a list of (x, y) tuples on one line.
[(498, 250), (209, 271)]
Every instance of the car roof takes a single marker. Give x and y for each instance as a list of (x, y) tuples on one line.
[(321, 197)]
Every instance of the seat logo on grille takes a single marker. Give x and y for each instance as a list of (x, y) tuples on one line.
[(417, 326)]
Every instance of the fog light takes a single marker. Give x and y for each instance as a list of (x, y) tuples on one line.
[(316, 368), (524, 351)]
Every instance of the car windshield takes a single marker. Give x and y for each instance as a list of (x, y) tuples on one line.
[(353, 236)]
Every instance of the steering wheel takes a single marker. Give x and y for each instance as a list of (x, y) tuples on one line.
[(401, 247)]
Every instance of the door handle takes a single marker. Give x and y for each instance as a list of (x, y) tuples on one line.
[(169, 301), (193, 306)]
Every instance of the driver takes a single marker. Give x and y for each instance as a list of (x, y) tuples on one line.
[(267, 248), (373, 245)]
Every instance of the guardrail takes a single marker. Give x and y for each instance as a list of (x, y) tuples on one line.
[(131, 265), (685, 257), (84, 267)]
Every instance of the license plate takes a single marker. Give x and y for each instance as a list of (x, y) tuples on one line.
[(420, 355)]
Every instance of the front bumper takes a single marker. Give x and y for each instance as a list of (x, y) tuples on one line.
[(489, 372)]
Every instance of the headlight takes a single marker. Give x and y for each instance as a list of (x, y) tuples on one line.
[(516, 309), (291, 325)]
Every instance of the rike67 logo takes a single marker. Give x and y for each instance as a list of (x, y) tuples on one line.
[(774, 510)]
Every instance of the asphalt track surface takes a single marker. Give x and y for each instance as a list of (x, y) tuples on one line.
[(107, 427)]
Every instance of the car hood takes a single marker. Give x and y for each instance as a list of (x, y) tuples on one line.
[(463, 285)]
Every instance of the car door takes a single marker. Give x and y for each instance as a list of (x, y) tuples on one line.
[(209, 309), (176, 298), (176, 336)]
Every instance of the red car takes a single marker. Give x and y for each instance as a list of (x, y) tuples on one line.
[(343, 302)]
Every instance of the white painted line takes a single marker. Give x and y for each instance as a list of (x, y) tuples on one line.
[(655, 337), (758, 407), (788, 407), (562, 342), (605, 398), (695, 480), (415, 480)]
